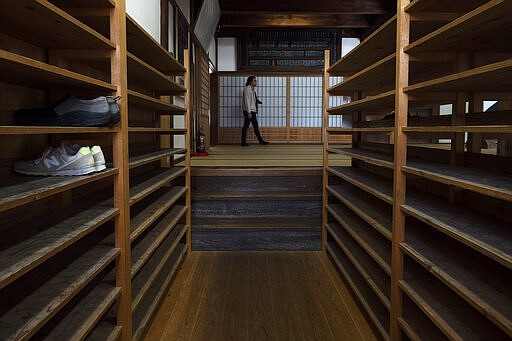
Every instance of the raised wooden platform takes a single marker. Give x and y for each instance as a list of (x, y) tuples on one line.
[(272, 155)]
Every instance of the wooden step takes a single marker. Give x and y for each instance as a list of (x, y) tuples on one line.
[(249, 223), (258, 195), (256, 239), (261, 208)]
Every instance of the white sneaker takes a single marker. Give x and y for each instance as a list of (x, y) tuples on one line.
[(99, 158), (97, 154), (59, 161)]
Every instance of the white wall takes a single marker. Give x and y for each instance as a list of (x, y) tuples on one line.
[(348, 44), (147, 14), (226, 54)]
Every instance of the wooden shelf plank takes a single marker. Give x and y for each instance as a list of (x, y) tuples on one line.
[(143, 73), (486, 28), (486, 183), (363, 130), (487, 235), (445, 310), (368, 182), (384, 102), (173, 131), (378, 77), (36, 309), (145, 248), (18, 259), (30, 189), (142, 45), (373, 275), (83, 318), (145, 279), (463, 277), (371, 241), (28, 72), (52, 27), (416, 325), (375, 310), (140, 160), (33, 130), (137, 99), (366, 206), (144, 219), (143, 318), (496, 77), (85, 3), (503, 129), (374, 48), (374, 158), (106, 332), (142, 190), (443, 6), (432, 307)]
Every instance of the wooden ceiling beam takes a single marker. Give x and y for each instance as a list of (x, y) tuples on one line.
[(325, 6), (293, 20)]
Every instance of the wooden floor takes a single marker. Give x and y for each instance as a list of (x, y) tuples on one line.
[(273, 155), (259, 296)]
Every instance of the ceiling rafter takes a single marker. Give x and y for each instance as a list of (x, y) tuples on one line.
[(294, 20)]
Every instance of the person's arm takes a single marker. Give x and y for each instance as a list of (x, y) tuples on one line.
[(250, 100)]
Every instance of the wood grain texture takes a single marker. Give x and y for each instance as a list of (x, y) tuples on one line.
[(35, 188), (153, 212), (22, 257), (37, 308), (259, 295), (471, 32), (380, 42), (17, 69), (141, 44), (143, 73), (137, 99), (373, 211), (144, 189), (55, 28), (84, 316)]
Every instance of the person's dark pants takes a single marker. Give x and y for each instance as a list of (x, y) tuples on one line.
[(248, 121)]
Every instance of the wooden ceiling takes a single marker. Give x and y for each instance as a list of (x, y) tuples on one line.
[(280, 14)]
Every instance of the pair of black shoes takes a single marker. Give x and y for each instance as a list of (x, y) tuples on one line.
[(73, 112), (261, 142)]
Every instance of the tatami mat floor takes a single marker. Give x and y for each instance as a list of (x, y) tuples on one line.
[(272, 155)]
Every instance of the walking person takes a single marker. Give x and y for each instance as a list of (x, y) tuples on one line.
[(250, 108)]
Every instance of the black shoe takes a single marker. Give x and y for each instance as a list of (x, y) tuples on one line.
[(244, 145), (73, 112), (264, 142)]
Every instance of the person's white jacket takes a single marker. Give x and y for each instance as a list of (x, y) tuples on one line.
[(249, 100)]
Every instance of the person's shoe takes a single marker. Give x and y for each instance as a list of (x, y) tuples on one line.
[(97, 155), (58, 161), (73, 112), (99, 158), (264, 142), (244, 145)]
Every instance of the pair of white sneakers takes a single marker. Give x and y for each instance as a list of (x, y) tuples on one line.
[(64, 160)]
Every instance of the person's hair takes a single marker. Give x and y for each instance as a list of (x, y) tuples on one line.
[(249, 80)]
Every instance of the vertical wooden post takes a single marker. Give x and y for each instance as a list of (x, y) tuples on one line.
[(325, 140), (122, 179), (188, 201), (288, 108), (400, 154)]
